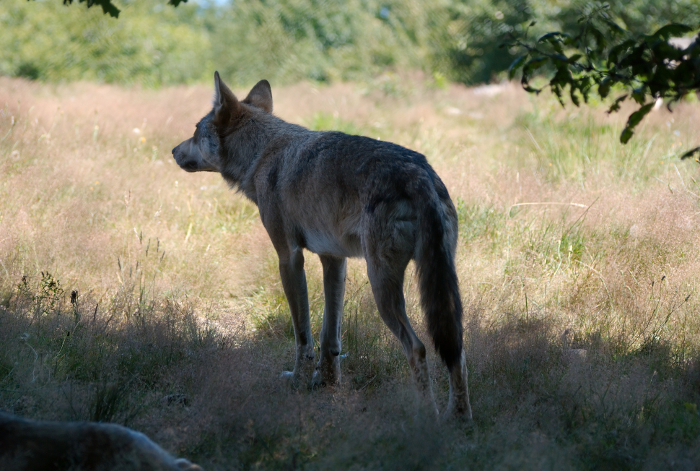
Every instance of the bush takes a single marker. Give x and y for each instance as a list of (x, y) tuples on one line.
[(150, 45)]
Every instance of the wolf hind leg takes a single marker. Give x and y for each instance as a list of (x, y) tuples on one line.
[(458, 405), (387, 287), (291, 267), (328, 367)]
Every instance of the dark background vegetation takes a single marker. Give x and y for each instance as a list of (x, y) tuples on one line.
[(153, 43)]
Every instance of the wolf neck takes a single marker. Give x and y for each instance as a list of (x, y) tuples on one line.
[(245, 148)]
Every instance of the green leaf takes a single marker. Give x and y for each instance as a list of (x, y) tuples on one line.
[(534, 64), (562, 77), (573, 59), (570, 40), (690, 153), (626, 135), (638, 115), (515, 65), (614, 26), (616, 105), (600, 40), (107, 7), (638, 95), (556, 89), (604, 87), (548, 36), (615, 52), (574, 97), (634, 120), (671, 30), (176, 2)]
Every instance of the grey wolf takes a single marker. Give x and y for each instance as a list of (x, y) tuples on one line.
[(342, 196), (31, 445)]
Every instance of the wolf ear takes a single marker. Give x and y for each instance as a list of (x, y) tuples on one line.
[(260, 96), (224, 99)]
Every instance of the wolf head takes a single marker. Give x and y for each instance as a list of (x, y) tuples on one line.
[(204, 152)]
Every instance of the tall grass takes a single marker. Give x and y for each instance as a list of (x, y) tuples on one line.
[(133, 292)]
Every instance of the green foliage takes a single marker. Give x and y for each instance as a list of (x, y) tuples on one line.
[(108, 7), (290, 40), (602, 54), (471, 32), (149, 44)]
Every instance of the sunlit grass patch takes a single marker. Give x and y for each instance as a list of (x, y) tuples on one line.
[(580, 145), (332, 122)]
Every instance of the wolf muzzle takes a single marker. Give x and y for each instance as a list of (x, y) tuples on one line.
[(182, 154)]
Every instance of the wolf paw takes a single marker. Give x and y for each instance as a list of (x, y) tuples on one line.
[(460, 412), (326, 373), (290, 379), (319, 380)]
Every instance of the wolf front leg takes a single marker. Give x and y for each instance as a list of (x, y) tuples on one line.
[(328, 367), (294, 282)]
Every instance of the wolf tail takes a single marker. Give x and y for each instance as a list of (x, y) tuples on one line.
[(437, 277)]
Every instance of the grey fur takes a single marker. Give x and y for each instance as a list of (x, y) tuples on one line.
[(342, 196), (32, 445)]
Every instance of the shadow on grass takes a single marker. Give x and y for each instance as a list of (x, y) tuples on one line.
[(541, 400)]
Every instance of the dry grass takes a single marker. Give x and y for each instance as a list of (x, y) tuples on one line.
[(578, 263)]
